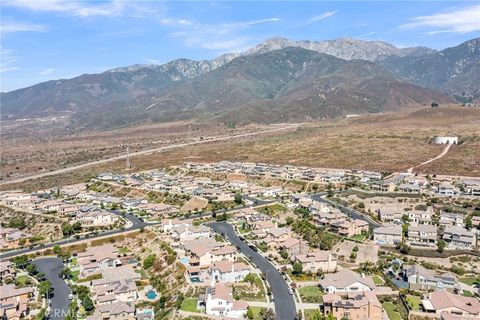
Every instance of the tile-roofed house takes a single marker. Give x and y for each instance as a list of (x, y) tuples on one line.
[(424, 235), (206, 256), (96, 218), (116, 310), (219, 302), (345, 281), (293, 246), (350, 228), (96, 259), (169, 224), (420, 217), (186, 233), (6, 270), (14, 301), (420, 278), (443, 301), (11, 238), (361, 306), (228, 271), (317, 261), (451, 219), (388, 235), (458, 237)]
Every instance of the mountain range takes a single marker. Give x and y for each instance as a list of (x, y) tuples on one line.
[(276, 81)]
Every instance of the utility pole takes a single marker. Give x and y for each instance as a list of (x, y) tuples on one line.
[(127, 164)]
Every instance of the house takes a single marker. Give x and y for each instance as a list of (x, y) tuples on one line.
[(442, 301), (458, 237), (7, 272), (471, 187), (206, 256), (279, 234), (420, 217), (330, 217), (169, 224), (116, 285), (362, 306), (350, 228), (423, 235), (409, 188), (186, 233), (390, 214), (96, 259), (446, 189), (388, 235), (227, 271), (96, 218), (420, 278), (316, 261), (293, 246), (346, 281), (219, 302), (14, 301), (451, 219), (114, 311), (11, 238)]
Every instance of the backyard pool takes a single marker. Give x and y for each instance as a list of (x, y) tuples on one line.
[(195, 279), (151, 294)]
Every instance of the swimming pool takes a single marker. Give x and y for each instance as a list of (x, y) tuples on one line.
[(151, 294), (195, 279)]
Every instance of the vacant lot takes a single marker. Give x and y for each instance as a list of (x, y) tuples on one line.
[(374, 142)]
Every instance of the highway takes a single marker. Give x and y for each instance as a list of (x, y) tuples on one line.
[(146, 152), (284, 302), (52, 267)]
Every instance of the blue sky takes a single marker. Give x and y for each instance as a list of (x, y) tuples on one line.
[(52, 39)]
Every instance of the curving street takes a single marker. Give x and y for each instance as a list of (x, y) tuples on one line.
[(284, 302), (52, 267)]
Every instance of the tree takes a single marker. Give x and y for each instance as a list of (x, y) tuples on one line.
[(88, 304), (468, 223), (250, 314), (65, 272), (441, 244), (268, 315), (21, 261), (148, 262), (42, 315), (67, 229), (434, 105), (45, 287), (57, 249), (297, 267), (238, 198), (316, 315), (31, 269)]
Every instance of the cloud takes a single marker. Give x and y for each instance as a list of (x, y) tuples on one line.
[(321, 16), (46, 71), (151, 61), (223, 36), (12, 26), (366, 35), (8, 60), (81, 8), (463, 20)]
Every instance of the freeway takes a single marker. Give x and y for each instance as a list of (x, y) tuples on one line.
[(284, 302), (147, 152), (348, 211), (52, 267)]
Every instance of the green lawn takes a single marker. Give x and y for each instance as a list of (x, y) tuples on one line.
[(470, 280), (190, 305), (467, 293), (310, 313), (358, 237), (310, 294), (74, 275), (414, 302), (256, 312), (378, 281), (391, 311), (22, 281)]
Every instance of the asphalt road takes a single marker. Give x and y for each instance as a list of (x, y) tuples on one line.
[(348, 211), (52, 267), (284, 302)]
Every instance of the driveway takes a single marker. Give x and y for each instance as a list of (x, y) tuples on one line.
[(52, 267), (284, 302)]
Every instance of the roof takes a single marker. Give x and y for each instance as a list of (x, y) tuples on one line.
[(9, 291), (315, 256), (443, 299), (394, 230), (116, 308), (227, 266), (344, 278), (221, 291), (428, 274)]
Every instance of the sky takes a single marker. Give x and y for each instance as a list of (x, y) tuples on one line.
[(42, 40)]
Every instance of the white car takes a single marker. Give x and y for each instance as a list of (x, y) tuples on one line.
[(70, 296), (290, 291)]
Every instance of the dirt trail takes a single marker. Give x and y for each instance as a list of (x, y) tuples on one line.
[(444, 152)]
